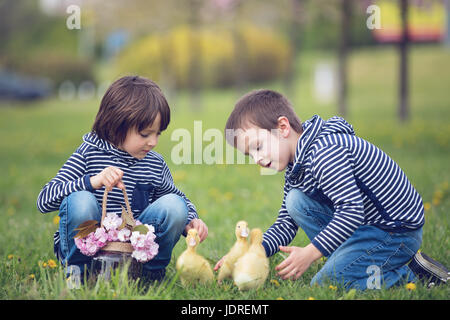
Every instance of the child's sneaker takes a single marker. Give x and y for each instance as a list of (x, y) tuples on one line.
[(429, 270)]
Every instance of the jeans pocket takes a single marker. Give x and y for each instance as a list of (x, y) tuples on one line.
[(407, 246), (142, 194), (399, 258)]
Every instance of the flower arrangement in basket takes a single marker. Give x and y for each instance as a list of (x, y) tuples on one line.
[(117, 234)]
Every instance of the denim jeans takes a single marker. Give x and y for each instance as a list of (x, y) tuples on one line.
[(370, 259), (168, 215)]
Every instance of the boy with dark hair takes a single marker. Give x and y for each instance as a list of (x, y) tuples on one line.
[(118, 153), (352, 200)]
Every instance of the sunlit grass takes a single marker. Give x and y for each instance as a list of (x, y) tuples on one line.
[(36, 139)]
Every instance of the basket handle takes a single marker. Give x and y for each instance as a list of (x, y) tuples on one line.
[(105, 197)]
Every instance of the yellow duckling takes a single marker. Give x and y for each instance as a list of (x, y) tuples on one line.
[(193, 267), (239, 248), (252, 269)]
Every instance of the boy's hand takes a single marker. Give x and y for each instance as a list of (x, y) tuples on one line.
[(110, 177), (201, 227), (219, 264), (298, 261)]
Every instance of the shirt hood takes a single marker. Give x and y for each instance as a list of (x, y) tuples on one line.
[(92, 139), (314, 129)]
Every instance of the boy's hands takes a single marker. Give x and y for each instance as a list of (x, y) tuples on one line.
[(201, 227), (298, 261), (110, 177), (219, 264)]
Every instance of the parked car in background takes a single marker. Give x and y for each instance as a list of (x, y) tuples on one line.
[(14, 86)]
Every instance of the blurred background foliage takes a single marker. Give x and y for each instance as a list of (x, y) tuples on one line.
[(161, 38), (168, 57)]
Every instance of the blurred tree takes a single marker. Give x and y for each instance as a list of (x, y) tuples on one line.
[(447, 37), (240, 50), (25, 30), (342, 56), (35, 43), (195, 56), (403, 111), (295, 30)]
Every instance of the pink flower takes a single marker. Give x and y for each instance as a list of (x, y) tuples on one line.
[(112, 221), (113, 235), (140, 255), (145, 247), (80, 243), (137, 240), (101, 236), (88, 245), (124, 235)]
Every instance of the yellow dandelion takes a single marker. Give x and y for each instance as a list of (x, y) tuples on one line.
[(411, 286), (31, 276), (10, 256), (44, 264), (331, 287), (311, 298), (427, 206), (10, 211), (438, 194), (179, 175), (436, 201), (437, 197), (275, 282), (56, 220), (228, 196), (51, 263), (280, 298)]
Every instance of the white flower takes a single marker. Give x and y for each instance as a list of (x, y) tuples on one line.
[(124, 235), (112, 221), (140, 255)]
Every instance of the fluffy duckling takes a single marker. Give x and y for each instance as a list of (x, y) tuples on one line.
[(252, 269), (239, 248), (192, 266)]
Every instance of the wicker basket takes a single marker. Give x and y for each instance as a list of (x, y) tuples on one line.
[(116, 254), (117, 246)]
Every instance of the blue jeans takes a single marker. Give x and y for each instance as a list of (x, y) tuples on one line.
[(168, 215), (370, 259)]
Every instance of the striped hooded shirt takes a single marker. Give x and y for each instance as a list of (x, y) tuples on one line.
[(145, 180), (363, 184)]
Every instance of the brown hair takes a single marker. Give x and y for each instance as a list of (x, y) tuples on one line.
[(262, 108), (130, 102)]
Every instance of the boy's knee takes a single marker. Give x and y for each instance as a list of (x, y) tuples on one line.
[(294, 200), (82, 206), (176, 208)]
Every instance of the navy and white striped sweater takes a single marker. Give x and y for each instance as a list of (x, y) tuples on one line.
[(146, 180), (363, 184)]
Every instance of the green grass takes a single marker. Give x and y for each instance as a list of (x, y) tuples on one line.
[(37, 138)]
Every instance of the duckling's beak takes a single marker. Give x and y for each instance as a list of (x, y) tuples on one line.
[(244, 232), (192, 242)]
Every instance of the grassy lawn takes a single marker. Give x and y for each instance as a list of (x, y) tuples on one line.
[(37, 138)]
